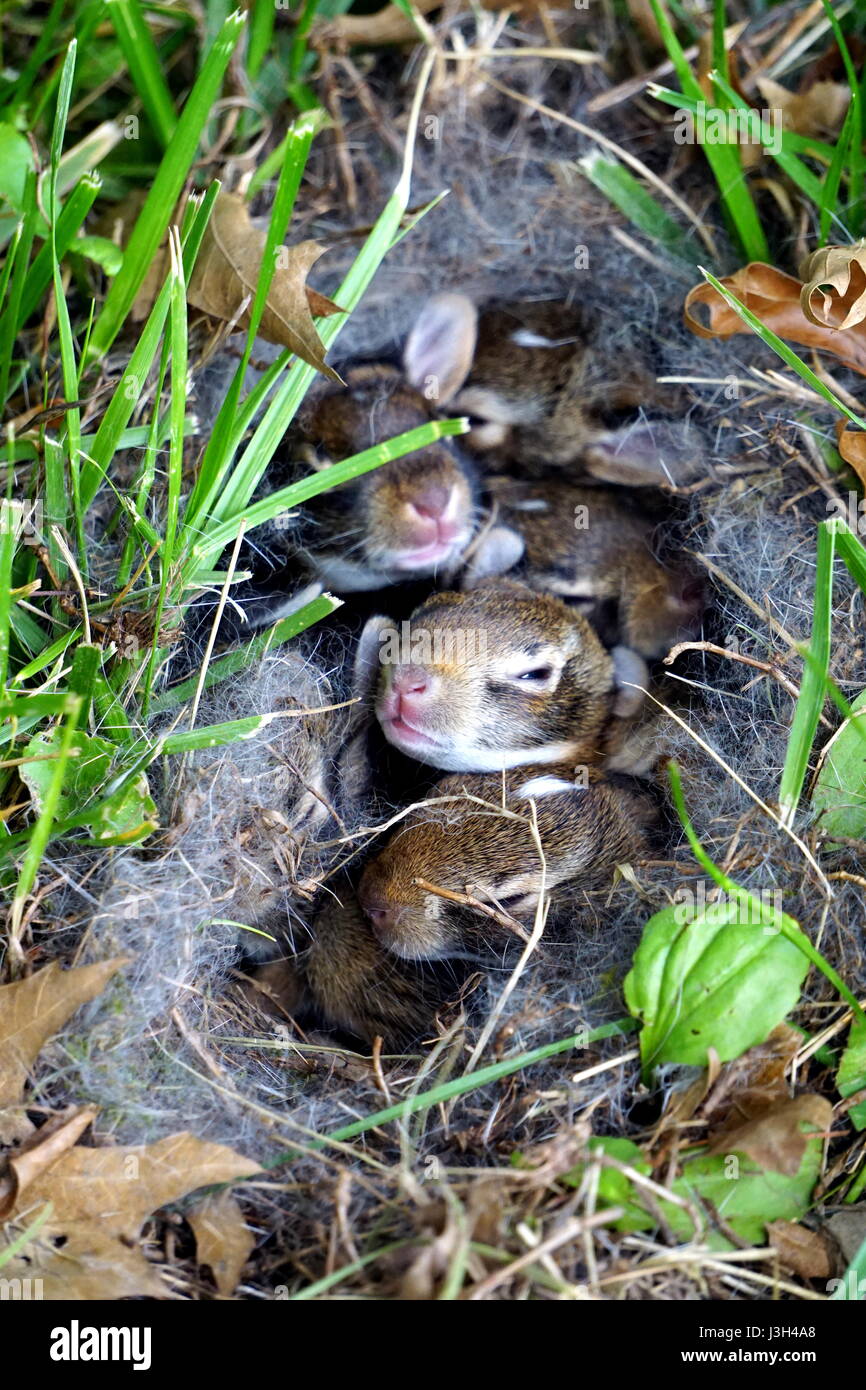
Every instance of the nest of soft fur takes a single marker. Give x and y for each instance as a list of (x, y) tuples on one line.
[(176, 1042)]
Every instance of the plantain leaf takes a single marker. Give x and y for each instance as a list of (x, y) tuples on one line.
[(723, 980)]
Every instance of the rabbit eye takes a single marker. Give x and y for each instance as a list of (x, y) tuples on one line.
[(540, 675)]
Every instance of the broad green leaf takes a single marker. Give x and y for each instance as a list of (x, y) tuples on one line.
[(16, 158), (745, 1196), (100, 250), (851, 1076), (615, 1188), (125, 815), (839, 797), (722, 980)]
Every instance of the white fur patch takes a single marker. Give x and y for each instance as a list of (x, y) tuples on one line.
[(580, 587), (545, 786), (493, 759), (349, 577), (524, 337)]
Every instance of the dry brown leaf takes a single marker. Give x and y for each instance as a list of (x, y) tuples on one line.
[(642, 15), (819, 111), (388, 25), (848, 1229), (421, 1281), (805, 1252), (391, 24), (754, 1081), (40, 1153), (223, 1239), (31, 1011), (843, 270), (226, 272), (775, 1139), (100, 1198), (227, 269), (774, 298), (852, 447)]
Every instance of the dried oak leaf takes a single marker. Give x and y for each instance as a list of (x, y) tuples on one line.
[(807, 1253), (852, 446), (819, 111), (392, 25), (89, 1246), (227, 269), (774, 298), (31, 1011), (841, 270), (754, 1081), (223, 1239), (40, 1152), (775, 1139)]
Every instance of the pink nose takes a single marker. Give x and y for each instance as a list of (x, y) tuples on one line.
[(382, 916), (432, 502), (410, 680)]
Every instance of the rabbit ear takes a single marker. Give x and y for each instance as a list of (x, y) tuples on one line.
[(629, 671), (366, 668), (441, 345), (497, 552), (645, 454)]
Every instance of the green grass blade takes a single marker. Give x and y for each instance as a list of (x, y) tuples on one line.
[(813, 688), (69, 365), (280, 413), (852, 551), (463, 1085), (242, 657), (177, 411), (12, 312), (70, 219), (145, 69), (723, 160), (217, 455), (8, 539), (154, 217), (41, 831), (828, 205), (262, 16), (796, 170), (855, 182), (628, 194), (131, 385)]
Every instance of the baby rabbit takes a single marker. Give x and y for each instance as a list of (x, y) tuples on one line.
[(346, 979), (524, 374), (410, 518), (488, 850), (584, 545), (500, 677)]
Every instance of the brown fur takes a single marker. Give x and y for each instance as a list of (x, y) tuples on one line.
[(489, 852), (362, 534), (586, 545), (510, 677)]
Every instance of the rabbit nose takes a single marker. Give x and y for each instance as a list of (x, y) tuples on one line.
[(410, 680), (382, 917), (433, 502)]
